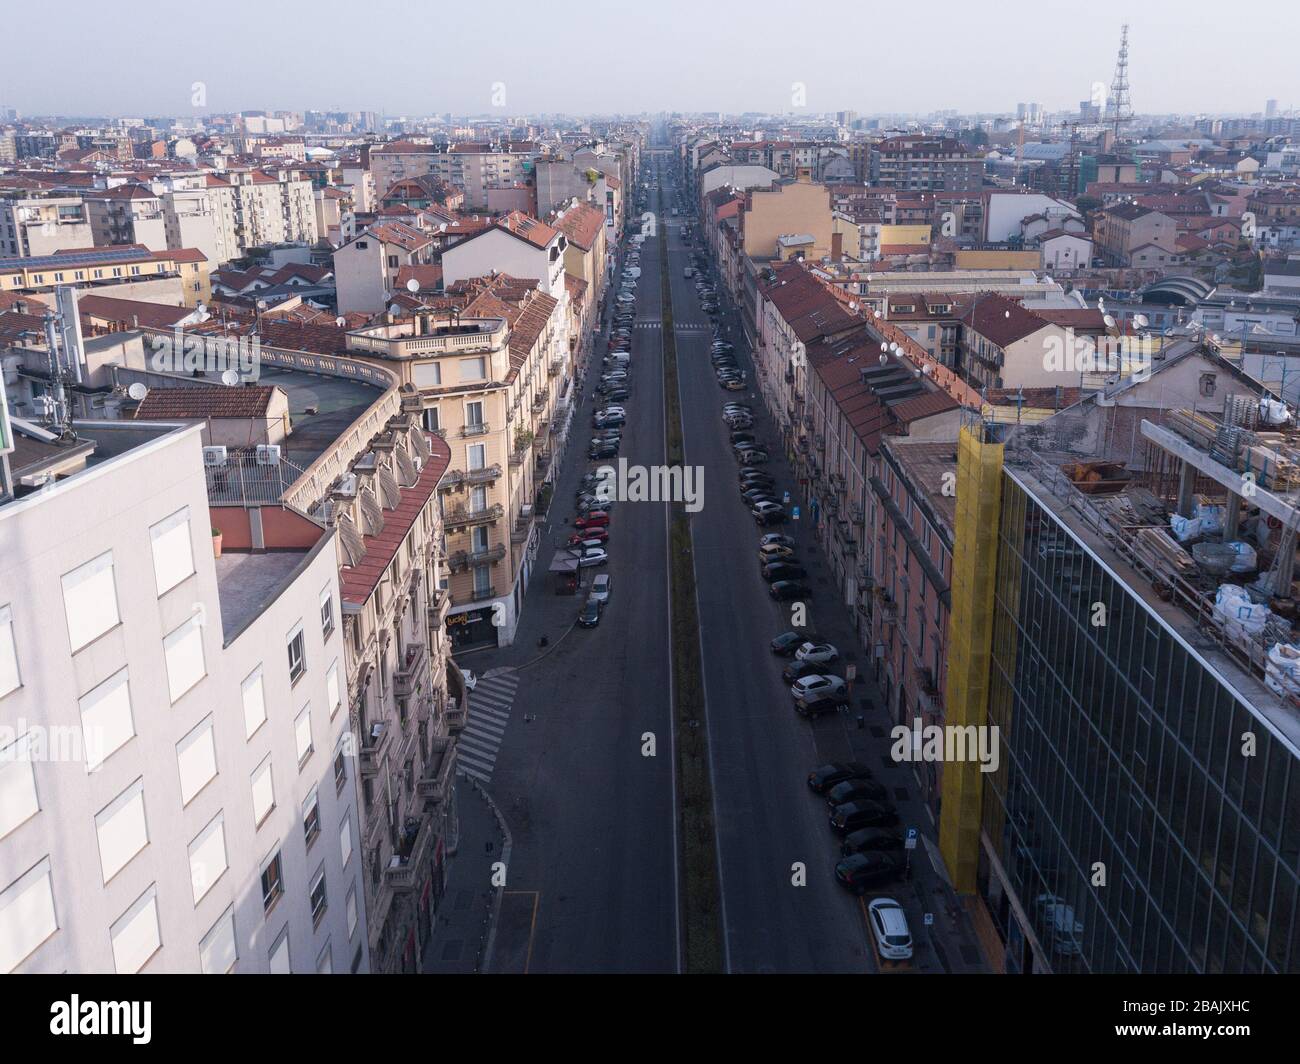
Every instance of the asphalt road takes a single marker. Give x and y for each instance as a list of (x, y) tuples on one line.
[(592, 876), (769, 823)]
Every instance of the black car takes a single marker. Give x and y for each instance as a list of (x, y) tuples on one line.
[(856, 791), (740, 436), (617, 394), (821, 706), (756, 476), (786, 644), (607, 450), (785, 590), (590, 615), (864, 814), (861, 871), (865, 840), (824, 777), (779, 571), (797, 670)]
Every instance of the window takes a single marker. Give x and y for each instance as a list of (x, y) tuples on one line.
[(311, 818), (121, 829), (106, 722), (302, 734), (297, 654), (254, 695), (319, 902), (135, 936), (173, 553), (327, 613), (473, 369), (272, 882), (279, 957), (9, 678), (208, 857), (183, 650), (27, 916), (474, 413), (345, 839), (263, 792), (218, 951), (196, 757), (332, 689), (431, 419), (90, 601), (352, 911), (340, 769), (18, 800), (476, 456)]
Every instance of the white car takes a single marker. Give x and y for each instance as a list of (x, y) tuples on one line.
[(813, 687), (817, 653), (889, 929), (612, 411), (600, 588), (471, 681), (592, 556)]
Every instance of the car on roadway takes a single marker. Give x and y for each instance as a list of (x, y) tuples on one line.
[(786, 644), (593, 537), (824, 777), (797, 670), (788, 590), (856, 791), (605, 450), (595, 519), (864, 814), (767, 512), (819, 653), (782, 570), (757, 456), (590, 615), (862, 871), (775, 552), (816, 686), (779, 538), (591, 556), (888, 923), (865, 839)]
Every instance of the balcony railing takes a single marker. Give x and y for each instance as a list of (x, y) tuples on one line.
[(460, 516), (404, 866), (407, 675), (461, 560), (439, 774), (479, 428), (457, 714), (453, 478), (374, 741)]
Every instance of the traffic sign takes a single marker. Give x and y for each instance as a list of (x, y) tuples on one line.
[(794, 514), (929, 919), (850, 673), (910, 844)]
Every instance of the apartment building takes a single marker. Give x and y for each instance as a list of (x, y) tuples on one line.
[(32, 225), (127, 214), (1128, 234), (144, 828), (178, 277), (496, 381), (517, 245), (366, 267), (926, 164), (265, 209), (475, 168), (799, 208)]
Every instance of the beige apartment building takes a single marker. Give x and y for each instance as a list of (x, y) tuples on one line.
[(472, 167), (127, 214), (266, 210), (41, 225), (799, 209), (495, 381)]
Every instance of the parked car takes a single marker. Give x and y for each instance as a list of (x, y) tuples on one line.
[(824, 777), (605, 450), (825, 705), (819, 653), (797, 670), (740, 436), (617, 393), (862, 871), (755, 457), (787, 590), (595, 519), (590, 615), (592, 556), (888, 923), (786, 643), (601, 587), (816, 686), (771, 512), (773, 538), (865, 839), (855, 815), (734, 385), (775, 552), (593, 537), (782, 570), (856, 791)]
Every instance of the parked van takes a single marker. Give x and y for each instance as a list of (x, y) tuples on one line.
[(688, 272)]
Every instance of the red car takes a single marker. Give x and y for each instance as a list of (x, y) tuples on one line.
[(598, 535), (595, 519)]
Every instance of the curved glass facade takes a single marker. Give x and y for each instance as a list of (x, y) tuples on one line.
[(1125, 817)]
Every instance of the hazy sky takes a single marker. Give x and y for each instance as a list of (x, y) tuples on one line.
[(413, 57)]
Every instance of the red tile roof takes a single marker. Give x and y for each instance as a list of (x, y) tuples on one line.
[(582, 224), (1000, 320), (357, 583), (208, 402)]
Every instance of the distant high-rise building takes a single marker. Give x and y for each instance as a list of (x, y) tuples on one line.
[(1270, 109)]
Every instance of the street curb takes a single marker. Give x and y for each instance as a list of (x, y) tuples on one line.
[(548, 650), (484, 964)]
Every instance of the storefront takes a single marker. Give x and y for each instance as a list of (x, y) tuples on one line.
[(472, 629)]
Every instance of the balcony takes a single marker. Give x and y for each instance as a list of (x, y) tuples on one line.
[(406, 677), (539, 402), (555, 367), (482, 594), (457, 714), (412, 854), (374, 741), (454, 478), (463, 560), (542, 462), (439, 603), (523, 525), (479, 428), (440, 771), (463, 517)]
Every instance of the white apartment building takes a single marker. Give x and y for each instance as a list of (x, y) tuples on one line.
[(518, 246), (471, 167), (265, 210), (193, 216), (366, 268), (41, 225), (127, 214), (176, 790)]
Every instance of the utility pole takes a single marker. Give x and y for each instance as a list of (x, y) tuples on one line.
[(1121, 111)]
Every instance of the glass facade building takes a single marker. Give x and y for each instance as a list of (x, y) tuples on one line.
[(1145, 815)]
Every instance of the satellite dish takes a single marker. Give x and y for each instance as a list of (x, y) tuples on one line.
[(202, 308), (927, 369), (884, 359), (261, 304), (230, 378), (1110, 322), (137, 391), (394, 309), (1140, 320), (340, 321), (412, 286), (883, 348), (852, 305)]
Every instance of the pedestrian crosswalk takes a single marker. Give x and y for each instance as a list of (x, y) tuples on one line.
[(691, 327), (489, 714), (649, 325)]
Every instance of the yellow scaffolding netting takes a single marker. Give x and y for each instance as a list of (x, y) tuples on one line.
[(970, 628)]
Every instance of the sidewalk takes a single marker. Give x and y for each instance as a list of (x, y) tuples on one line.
[(462, 925)]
